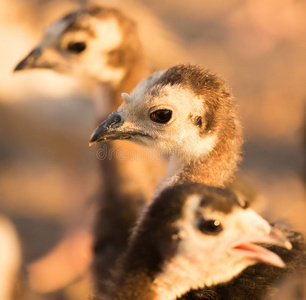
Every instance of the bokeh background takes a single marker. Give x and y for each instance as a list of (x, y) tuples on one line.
[(48, 174)]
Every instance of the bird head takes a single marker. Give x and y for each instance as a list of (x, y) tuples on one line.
[(183, 111), (202, 236), (94, 42)]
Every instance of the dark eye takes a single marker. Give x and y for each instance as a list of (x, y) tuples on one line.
[(161, 116), (212, 227), (76, 47)]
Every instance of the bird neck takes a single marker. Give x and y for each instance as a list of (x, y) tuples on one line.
[(217, 167), (141, 286), (135, 286)]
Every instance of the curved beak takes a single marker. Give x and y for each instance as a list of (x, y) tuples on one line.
[(112, 129), (30, 61), (252, 251), (109, 130)]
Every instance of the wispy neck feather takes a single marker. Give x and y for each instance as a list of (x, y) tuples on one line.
[(136, 286)]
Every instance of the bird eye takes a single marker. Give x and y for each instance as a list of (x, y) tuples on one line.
[(77, 47), (211, 227), (162, 116)]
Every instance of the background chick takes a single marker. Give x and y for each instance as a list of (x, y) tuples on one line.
[(102, 44), (10, 261)]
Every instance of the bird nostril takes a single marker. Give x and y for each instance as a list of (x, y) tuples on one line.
[(35, 52), (117, 119), (113, 121)]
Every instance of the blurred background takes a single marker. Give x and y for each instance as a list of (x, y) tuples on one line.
[(48, 174)]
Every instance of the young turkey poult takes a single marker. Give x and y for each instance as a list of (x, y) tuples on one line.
[(187, 113), (102, 44), (197, 237)]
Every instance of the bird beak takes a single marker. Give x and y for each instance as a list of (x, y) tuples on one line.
[(254, 252), (112, 129), (31, 61), (109, 130), (42, 58)]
